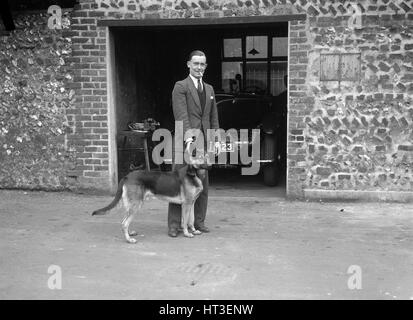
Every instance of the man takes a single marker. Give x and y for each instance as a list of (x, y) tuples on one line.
[(193, 103)]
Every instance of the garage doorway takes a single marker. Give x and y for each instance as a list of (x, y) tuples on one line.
[(147, 61)]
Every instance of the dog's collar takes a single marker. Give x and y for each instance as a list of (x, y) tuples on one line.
[(191, 173)]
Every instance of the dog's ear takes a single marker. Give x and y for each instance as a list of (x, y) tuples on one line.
[(190, 171)]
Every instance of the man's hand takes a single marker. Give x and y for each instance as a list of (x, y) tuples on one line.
[(189, 141)]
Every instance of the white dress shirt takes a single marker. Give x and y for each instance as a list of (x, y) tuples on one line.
[(195, 80)]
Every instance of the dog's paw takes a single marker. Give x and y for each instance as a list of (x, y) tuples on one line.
[(131, 240), (133, 233), (196, 232)]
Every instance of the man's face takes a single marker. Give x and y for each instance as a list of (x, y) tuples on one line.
[(197, 66)]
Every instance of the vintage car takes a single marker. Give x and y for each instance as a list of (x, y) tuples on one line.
[(252, 110)]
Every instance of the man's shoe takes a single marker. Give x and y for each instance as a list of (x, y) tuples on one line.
[(202, 229), (173, 233)]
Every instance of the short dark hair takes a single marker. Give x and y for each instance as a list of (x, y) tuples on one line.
[(196, 53)]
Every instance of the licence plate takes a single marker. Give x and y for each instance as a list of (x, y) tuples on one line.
[(219, 147)]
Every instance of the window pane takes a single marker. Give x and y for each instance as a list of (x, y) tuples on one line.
[(350, 66), (256, 77), (231, 77), (232, 48), (329, 67), (279, 47), (257, 47), (278, 71)]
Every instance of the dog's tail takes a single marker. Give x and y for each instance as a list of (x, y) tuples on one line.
[(114, 202)]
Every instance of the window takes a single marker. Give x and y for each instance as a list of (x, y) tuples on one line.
[(231, 76), (256, 77), (257, 47), (339, 66), (254, 63), (279, 47), (278, 74), (232, 48)]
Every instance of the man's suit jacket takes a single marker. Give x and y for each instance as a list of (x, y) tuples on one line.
[(187, 107)]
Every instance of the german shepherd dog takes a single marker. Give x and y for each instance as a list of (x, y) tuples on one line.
[(181, 186)]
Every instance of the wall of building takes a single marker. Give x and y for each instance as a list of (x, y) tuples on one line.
[(352, 135), (343, 135), (34, 96), (358, 135), (347, 135)]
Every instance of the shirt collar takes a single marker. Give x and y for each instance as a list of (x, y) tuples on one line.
[(195, 80)]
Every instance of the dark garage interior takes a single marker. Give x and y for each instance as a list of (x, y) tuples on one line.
[(148, 62)]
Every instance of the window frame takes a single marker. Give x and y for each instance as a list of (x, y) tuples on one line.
[(338, 73), (243, 59)]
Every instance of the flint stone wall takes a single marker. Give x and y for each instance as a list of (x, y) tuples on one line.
[(34, 96)]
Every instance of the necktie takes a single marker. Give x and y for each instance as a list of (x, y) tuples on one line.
[(199, 86)]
